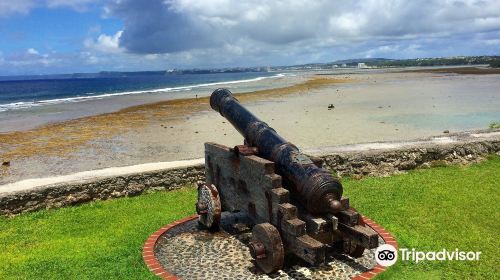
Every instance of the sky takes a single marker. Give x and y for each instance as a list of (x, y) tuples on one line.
[(63, 36)]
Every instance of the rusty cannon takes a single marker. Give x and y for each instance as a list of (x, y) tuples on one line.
[(294, 205)]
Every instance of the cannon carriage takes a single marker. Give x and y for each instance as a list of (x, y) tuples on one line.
[(295, 206)]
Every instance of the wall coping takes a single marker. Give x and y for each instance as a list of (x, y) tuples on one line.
[(94, 175)]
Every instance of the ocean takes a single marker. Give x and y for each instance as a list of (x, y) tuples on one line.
[(31, 101), (34, 91)]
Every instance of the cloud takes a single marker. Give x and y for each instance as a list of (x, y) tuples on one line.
[(10, 7), (79, 5), (105, 43), (32, 51), (162, 34), (492, 42), (155, 27), (160, 26), (32, 57)]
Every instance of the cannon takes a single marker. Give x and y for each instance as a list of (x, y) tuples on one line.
[(293, 204)]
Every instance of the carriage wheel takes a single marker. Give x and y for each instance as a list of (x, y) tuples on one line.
[(266, 248), (208, 206)]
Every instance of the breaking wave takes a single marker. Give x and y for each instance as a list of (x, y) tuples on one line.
[(91, 96)]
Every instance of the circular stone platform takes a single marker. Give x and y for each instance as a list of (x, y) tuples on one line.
[(183, 250)]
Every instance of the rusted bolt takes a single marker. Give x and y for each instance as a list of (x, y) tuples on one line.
[(257, 250)]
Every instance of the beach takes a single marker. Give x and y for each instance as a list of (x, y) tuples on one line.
[(368, 106)]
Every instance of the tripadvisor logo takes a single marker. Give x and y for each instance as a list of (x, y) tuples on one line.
[(387, 255)]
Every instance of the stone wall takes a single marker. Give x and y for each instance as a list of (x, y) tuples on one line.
[(60, 195), (356, 164), (389, 162)]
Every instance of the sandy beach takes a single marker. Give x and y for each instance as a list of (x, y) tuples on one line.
[(368, 107)]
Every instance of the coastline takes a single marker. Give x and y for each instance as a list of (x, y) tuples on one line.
[(369, 107), (27, 115), (59, 137)]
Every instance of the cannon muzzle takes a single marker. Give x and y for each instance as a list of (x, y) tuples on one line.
[(315, 187)]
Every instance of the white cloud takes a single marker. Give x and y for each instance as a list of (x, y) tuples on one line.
[(32, 57), (159, 26), (162, 34), (79, 5), (9, 7), (492, 42), (32, 51), (105, 43)]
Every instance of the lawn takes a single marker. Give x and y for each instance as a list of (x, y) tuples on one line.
[(432, 209), (435, 209), (101, 240)]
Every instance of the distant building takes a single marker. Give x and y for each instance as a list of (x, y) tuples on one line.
[(344, 65), (335, 66), (362, 65)]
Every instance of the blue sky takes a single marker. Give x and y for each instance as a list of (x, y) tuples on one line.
[(61, 36), (61, 30)]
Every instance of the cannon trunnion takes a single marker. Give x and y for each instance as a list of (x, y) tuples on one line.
[(295, 206)]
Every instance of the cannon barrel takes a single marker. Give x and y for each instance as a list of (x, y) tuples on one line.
[(315, 187)]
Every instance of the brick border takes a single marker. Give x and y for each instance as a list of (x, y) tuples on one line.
[(148, 253), (154, 265), (388, 239)]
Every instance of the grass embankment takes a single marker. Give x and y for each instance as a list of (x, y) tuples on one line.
[(443, 207)]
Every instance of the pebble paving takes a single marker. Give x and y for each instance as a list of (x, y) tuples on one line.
[(191, 252)]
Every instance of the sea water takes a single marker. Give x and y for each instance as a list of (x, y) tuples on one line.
[(32, 91), (29, 101)]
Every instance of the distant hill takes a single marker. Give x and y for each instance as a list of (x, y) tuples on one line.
[(378, 62), (436, 61), (386, 62), (361, 60)]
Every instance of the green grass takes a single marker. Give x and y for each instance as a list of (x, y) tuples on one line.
[(101, 240), (439, 208), (495, 124), (442, 207)]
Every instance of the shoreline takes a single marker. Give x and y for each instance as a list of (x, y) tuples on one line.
[(61, 138), (36, 116), (23, 104), (367, 107)]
